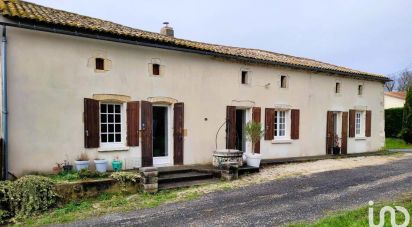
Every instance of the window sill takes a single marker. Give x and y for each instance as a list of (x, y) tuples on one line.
[(110, 149), (281, 141), (360, 138)]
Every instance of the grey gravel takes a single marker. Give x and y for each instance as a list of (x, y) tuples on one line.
[(278, 202)]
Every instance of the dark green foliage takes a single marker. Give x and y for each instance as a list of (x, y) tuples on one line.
[(393, 122), (26, 196), (85, 173), (407, 118)]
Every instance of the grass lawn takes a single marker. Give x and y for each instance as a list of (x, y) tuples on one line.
[(104, 204), (359, 217), (393, 143)]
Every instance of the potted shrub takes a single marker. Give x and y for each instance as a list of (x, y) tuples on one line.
[(336, 146), (254, 132), (101, 165), (82, 162), (117, 164)]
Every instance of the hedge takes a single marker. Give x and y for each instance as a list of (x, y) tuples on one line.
[(393, 122)]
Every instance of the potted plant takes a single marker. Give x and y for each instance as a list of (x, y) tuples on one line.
[(336, 146), (117, 164), (82, 162), (254, 132), (66, 166), (101, 165)]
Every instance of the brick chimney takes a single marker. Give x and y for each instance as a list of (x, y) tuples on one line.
[(166, 30)]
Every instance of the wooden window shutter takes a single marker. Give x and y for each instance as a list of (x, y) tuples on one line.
[(178, 132), (133, 109), (256, 113), (147, 133), (352, 123), (368, 123), (294, 128), (231, 127), (269, 121), (91, 123), (344, 139), (329, 132)]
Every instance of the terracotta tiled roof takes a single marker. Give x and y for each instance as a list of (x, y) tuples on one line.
[(17, 10), (396, 94)]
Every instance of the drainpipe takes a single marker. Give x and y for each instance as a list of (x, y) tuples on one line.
[(4, 113)]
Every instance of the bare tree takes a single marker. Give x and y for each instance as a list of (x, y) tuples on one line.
[(390, 86), (404, 80)]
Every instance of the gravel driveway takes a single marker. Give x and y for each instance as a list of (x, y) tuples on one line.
[(277, 202)]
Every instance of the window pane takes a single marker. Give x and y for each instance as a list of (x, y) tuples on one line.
[(118, 138), (110, 117), (104, 118), (117, 127), (104, 138), (104, 127), (117, 118), (117, 108), (111, 138), (103, 108), (110, 109), (111, 128)]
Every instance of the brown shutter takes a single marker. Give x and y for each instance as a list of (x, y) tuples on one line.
[(294, 128), (269, 121), (147, 134), (329, 132), (231, 127), (178, 127), (368, 123), (344, 140), (352, 123), (133, 123), (91, 123), (256, 113)]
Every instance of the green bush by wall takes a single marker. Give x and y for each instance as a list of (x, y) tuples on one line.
[(393, 122), (26, 196)]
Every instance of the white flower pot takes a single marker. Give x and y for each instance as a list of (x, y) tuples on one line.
[(253, 159), (81, 165), (101, 165)]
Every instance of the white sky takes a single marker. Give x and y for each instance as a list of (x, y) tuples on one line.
[(369, 35)]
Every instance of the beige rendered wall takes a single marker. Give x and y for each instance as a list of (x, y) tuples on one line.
[(392, 102), (49, 77)]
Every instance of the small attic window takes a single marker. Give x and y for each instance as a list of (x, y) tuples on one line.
[(156, 69), (360, 89), (99, 64), (244, 77), (283, 81), (337, 88)]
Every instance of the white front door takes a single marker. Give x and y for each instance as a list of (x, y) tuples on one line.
[(162, 143)]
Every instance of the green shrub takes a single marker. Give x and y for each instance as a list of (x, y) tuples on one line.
[(26, 196), (126, 177), (393, 122), (407, 118), (85, 173)]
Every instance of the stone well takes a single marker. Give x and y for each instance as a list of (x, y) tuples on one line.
[(227, 155)]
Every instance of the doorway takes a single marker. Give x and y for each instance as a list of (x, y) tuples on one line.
[(240, 129), (334, 132), (160, 136)]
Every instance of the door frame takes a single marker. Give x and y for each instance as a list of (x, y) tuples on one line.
[(167, 160), (336, 127), (248, 118)]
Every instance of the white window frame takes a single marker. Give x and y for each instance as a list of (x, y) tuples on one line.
[(108, 145), (360, 123), (286, 123)]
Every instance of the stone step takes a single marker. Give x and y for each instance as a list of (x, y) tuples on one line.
[(186, 176), (187, 184), (247, 169), (166, 171)]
